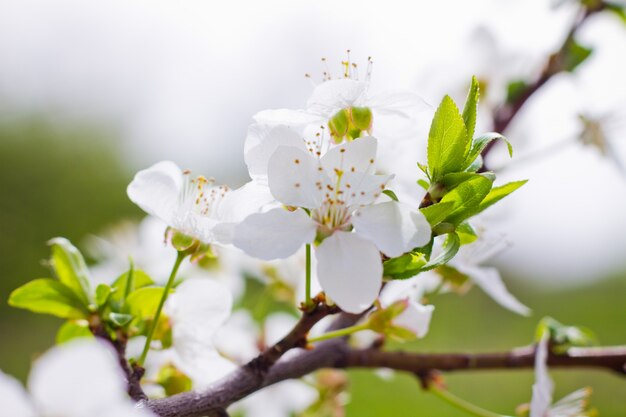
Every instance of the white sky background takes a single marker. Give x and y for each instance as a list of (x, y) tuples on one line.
[(181, 80)]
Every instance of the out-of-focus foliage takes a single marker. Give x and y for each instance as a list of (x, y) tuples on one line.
[(53, 181)]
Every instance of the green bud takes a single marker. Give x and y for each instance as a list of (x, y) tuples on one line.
[(338, 125), (361, 118)]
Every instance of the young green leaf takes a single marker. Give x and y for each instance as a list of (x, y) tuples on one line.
[(103, 292), (480, 143), (437, 213), (391, 195), (139, 280), (142, 303), (447, 140), (467, 197), (469, 110), (70, 268), (404, 266), (467, 233), (71, 330), (49, 296), (515, 90), (498, 193), (575, 55), (120, 319), (450, 248)]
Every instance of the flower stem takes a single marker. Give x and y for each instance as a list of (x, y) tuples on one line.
[(157, 314), (307, 297), (339, 333), (460, 403)]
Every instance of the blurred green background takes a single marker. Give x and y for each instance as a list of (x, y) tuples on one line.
[(59, 181)]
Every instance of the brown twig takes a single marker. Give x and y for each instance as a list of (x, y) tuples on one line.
[(556, 63), (133, 374)]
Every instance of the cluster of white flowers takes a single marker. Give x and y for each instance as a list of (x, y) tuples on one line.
[(315, 180)]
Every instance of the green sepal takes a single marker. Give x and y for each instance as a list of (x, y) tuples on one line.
[(391, 195), (49, 296), (70, 268), (182, 242), (469, 110), (447, 140), (338, 125), (361, 118), (73, 329)]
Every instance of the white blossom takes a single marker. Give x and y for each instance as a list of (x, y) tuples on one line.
[(78, 379), (194, 206), (338, 192)]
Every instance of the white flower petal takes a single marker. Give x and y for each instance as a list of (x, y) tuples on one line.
[(278, 233), (294, 178), (262, 142), (394, 227), (156, 190), (286, 398), (15, 401), (197, 310), (358, 155), (361, 189), (78, 379), (350, 271), (416, 318), (204, 367), (398, 103), (543, 387), (288, 117), (489, 280), (331, 96)]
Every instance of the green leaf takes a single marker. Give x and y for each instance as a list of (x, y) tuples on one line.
[(447, 140), (498, 193), (49, 296), (563, 337), (71, 330), (466, 233), (139, 280), (391, 195), (469, 110), (120, 319), (476, 165), (467, 197), (480, 143), (450, 248), (424, 184), (404, 266), (515, 90), (70, 268), (103, 292), (453, 279), (617, 9), (142, 303), (575, 55), (173, 380), (436, 213), (450, 181)]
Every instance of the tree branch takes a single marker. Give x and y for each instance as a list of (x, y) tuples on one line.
[(504, 115), (337, 354)]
